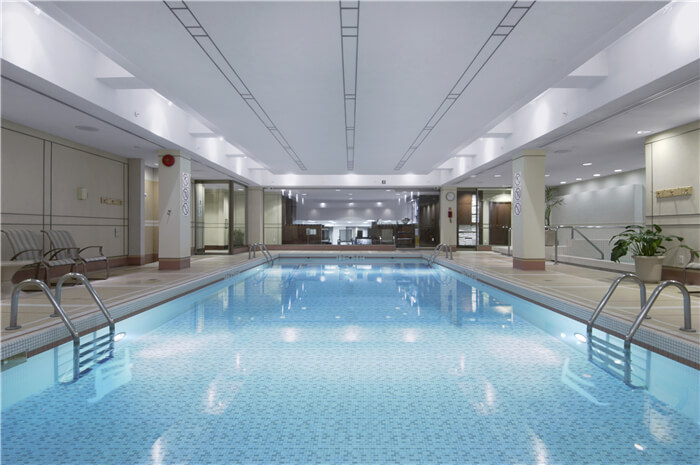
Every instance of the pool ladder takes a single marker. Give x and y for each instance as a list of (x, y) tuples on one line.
[(644, 304), (263, 250), (439, 248), (85, 356)]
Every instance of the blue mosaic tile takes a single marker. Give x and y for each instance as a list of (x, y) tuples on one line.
[(401, 365)]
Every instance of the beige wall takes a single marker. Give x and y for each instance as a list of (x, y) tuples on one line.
[(272, 218), (151, 212), (672, 161), (40, 178)]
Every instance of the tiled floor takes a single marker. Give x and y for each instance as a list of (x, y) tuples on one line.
[(580, 286)]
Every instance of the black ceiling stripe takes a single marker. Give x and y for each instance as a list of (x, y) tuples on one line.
[(494, 41), (203, 39)]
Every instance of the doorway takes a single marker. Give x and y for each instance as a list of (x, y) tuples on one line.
[(211, 220)]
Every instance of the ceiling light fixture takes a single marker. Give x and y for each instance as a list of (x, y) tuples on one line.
[(496, 175), (547, 175), (596, 175), (643, 131), (586, 164), (562, 182), (618, 171), (578, 179)]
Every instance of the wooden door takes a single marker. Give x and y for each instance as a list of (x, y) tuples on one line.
[(499, 222)]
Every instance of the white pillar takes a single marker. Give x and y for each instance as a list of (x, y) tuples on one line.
[(527, 214), (174, 203), (137, 212), (254, 214), (448, 225)]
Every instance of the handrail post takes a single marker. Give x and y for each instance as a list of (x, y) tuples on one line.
[(510, 231), (687, 325), (92, 292), (69, 325), (556, 245), (611, 290)]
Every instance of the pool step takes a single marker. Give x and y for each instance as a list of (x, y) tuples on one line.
[(621, 364)]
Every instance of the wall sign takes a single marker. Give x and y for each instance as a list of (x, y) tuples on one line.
[(185, 194), (517, 193)]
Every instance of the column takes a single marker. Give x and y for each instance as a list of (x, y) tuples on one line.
[(174, 204), (137, 218), (254, 214), (527, 213), (448, 216)]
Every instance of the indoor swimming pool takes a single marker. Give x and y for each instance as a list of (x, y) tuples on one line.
[(358, 362)]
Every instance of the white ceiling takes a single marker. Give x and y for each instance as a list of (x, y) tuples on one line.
[(410, 55)]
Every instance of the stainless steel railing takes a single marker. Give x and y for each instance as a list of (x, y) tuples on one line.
[(263, 250), (611, 290)]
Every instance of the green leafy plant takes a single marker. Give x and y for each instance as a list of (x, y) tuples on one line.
[(238, 237), (550, 201), (645, 241)]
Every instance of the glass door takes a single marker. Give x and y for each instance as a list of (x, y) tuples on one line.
[(212, 214)]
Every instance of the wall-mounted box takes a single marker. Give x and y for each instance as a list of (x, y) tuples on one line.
[(82, 193), (109, 201), (675, 192)]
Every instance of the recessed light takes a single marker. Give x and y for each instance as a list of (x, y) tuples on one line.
[(546, 175), (562, 182), (596, 175), (155, 164), (618, 171), (221, 138), (472, 176), (86, 128), (37, 11), (586, 164), (170, 104), (303, 193), (578, 179), (387, 190), (643, 131), (496, 175)]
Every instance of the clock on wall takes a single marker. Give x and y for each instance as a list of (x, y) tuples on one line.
[(450, 196)]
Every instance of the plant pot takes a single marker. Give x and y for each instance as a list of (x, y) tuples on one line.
[(649, 268), (549, 237)]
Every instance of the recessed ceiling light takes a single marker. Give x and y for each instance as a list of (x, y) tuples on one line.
[(86, 128), (562, 182), (618, 171), (170, 104), (496, 175), (578, 179), (387, 190), (596, 175), (221, 138), (586, 164), (337, 190), (303, 193), (643, 131), (472, 176), (546, 175)]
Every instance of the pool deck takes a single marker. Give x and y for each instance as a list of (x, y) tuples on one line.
[(560, 287)]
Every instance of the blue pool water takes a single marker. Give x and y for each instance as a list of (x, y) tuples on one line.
[(351, 364)]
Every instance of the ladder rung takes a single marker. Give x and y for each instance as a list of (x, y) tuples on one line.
[(95, 349), (96, 340)]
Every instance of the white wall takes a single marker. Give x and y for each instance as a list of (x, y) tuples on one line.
[(41, 175), (609, 200), (673, 160), (272, 218)]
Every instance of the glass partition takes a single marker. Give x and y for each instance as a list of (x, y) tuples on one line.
[(494, 223), (402, 218), (219, 221)]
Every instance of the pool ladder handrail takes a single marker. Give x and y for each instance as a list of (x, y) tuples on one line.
[(687, 325), (573, 230), (611, 290), (91, 290), (439, 248), (263, 250), (59, 312), (57, 308)]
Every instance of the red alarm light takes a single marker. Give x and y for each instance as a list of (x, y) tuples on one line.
[(168, 160)]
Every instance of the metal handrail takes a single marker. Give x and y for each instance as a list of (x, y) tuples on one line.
[(687, 325), (252, 249), (556, 241), (92, 292), (439, 248), (510, 240), (57, 308), (611, 290)]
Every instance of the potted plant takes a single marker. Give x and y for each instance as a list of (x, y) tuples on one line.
[(646, 244), (550, 201)]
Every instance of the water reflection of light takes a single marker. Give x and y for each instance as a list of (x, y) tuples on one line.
[(580, 337), (119, 337), (238, 360), (290, 334), (379, 279), (638, 446), (410, 335), (322, 279), (462, 360), (351, 334), (540, 450), (157, 452), (490, 394)]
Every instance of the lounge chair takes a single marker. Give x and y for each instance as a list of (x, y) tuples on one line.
[(26, 245), (63, 242)]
